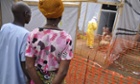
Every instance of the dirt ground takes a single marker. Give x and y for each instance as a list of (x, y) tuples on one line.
[(127, 65), (93, 54)]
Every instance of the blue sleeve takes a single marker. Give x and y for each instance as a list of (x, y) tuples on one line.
[(23, 48)]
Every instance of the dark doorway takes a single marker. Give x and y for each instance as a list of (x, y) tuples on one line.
[(107, 17)]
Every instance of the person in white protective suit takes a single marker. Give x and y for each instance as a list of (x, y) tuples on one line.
[(92, 26)]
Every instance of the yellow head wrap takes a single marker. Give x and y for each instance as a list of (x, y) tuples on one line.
[(51, 8)]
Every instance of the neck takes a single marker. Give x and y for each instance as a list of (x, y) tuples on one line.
[(51, 25), (19, 23)]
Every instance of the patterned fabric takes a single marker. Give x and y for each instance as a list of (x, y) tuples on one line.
[(47, 79), (49, 47)]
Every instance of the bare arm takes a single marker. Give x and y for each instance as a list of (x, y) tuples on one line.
[(25, 72), (32, 71), (63, 69), (22, 58)]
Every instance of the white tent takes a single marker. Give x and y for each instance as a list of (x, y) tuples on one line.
[(71, 16), (78, 12), (127, 29)]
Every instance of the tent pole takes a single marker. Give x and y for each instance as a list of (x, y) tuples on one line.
[(94, 1), (118, 14), (139, 29), (116, 20), (17, 0), (0, 16), (113, 43), (79, 11)]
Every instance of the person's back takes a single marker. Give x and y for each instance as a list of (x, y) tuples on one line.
[(11, 43), (49, 49), (48, 44), (13, 37)]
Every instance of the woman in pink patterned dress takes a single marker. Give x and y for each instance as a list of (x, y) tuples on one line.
[(49, 49)]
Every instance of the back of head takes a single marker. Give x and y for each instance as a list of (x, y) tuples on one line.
[(51, 8), (94, 19), (21, 11)]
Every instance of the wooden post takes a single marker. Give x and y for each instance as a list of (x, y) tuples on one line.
[(114, 41), (139, 28), (79, 11), (118, 14), (116, 20), (17, 0)]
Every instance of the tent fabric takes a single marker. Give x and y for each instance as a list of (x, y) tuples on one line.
[(68, 22), (6, 11), (37, 19), (125, 33), (75, 0), (88, 10), (109, 0)]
